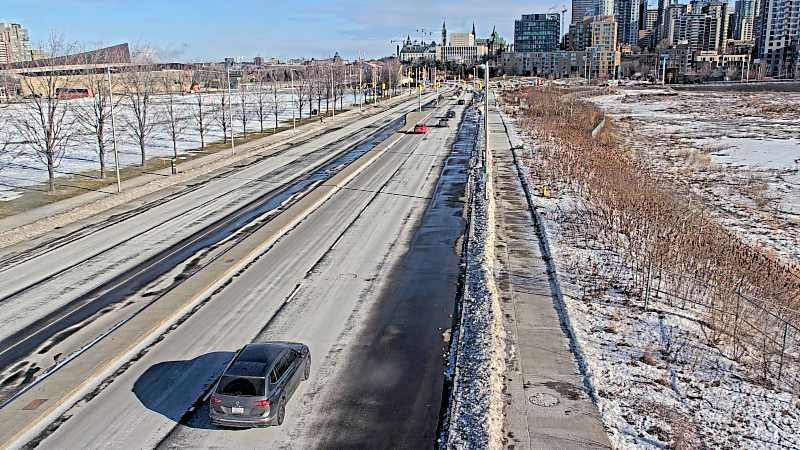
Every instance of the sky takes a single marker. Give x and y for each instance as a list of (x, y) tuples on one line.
[(205, 30)]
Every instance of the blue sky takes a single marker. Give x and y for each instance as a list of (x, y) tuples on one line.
[(210, 30)]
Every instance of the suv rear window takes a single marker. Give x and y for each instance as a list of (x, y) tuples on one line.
[(242, 386)]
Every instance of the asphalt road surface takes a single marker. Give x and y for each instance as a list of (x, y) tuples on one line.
[(61, 292), (367, 280)]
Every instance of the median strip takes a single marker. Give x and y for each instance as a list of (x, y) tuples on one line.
[(72, 382)]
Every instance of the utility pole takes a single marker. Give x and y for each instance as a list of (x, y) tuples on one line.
[(113, 130), (230, 106)]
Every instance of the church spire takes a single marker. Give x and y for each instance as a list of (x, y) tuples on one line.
[(444, 34), (473, 29)]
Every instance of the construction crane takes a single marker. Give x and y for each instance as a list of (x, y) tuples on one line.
[(563, 10)]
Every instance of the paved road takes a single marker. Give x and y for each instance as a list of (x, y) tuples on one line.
[(351, 281), (61, 293)]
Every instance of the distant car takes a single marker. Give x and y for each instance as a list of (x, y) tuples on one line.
[(443, 122), (259, 381), (451, 114), (462, 102), (420, 128)]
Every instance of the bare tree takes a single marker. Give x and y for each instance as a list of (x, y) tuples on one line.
[(276, 105), (9, 85), (95, 117), (175, 121), (202, 114), (339, 86), (244, 105), (302, 89), (262, 98), (5, 139), (356, 82), (222, 117), (45, 123), (319, 87), (140, 84)]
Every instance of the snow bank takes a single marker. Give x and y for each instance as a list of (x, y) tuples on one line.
[(476, 411)]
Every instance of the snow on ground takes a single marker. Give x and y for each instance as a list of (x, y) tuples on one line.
[(658, 384), (475, 418), (20, 167), (738, 151)]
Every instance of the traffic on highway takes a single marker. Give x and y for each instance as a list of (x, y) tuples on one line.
[(195, 313)]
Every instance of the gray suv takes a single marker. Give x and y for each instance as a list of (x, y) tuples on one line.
[(257, 383)]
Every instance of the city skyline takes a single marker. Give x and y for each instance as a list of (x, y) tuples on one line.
[(196, 32)]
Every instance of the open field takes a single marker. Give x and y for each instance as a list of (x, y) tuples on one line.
[(738, 151), (685, 319)]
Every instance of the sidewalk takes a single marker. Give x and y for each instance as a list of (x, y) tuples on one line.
[(37, 221), (547, 405)]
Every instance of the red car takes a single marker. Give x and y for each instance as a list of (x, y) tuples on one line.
[(420, 128)]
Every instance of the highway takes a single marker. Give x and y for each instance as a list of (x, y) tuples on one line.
[(368, 280), (61, 292)]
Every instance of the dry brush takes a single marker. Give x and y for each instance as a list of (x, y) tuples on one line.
[(675, 252)]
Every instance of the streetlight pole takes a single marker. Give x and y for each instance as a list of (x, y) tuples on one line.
[(230, 106), (113, 130), (291, 75), (333, 93), (360, 87), (436, 85), (486, 119)]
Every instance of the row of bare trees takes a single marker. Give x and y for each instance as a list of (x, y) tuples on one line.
[(669, 249), (150, 100)]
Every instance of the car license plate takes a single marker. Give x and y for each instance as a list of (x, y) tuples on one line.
[(236, 410)]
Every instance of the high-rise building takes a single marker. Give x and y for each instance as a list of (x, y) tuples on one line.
[(537, 32), (692, 30), (650, 20), (743, 17), (604, 7), (15, 45), (444, 34), (663, 27), (626, 13), (778, 39), (718, 12), (581, 9)]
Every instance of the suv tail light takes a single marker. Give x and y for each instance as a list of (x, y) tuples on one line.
[(215, 401), (262, 403)]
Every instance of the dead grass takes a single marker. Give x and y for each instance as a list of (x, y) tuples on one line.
[(665, 239)]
